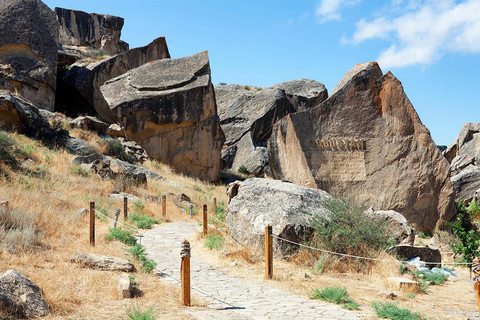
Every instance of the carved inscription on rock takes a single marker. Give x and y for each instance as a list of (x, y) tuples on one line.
[(339, 160)]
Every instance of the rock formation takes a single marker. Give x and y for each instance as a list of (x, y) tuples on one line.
[(168, 107), (464, 157), (28, 51), (367, 141), (19, 296), (99, 31), (247, 115), (87, 77), (102, 262)]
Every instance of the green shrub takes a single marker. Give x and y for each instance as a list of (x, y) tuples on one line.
[(243, 170), (214, 241), (348, 230), (138, 252), (135, 314), (422, 235), (116, 149), (466, 232), (390, 311), (148, 265), (18, 231), (143, 221), (336, 295), (319, 265), (474, 209), (121, 235), (436, 278)]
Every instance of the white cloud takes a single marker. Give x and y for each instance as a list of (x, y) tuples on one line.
[(330, 9), (423, 32)]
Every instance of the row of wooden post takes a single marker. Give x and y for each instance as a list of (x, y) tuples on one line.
[(186, 253)]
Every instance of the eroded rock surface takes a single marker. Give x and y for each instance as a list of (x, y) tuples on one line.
[(28, 51), (102, 262), (367, 141), (87, 77), (19, 296), (168, 107)]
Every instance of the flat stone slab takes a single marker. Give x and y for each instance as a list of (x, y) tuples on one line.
[(230, 298), (102, 262)]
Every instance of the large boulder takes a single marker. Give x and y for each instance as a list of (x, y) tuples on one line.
[(289, 208), (464, 157), (94, 30), (247, 115), (398, 226), (21, 297), (28, 51), (367, 141), (87, 77), (406, 252), (168, 107)]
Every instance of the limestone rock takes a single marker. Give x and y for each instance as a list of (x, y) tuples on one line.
[(20, 296), (286, 206), (397, 225), (168, 107), (114, 130), (466, 183), (303, 93), (28, 51), (253, 158), (121, 195), (404, 284), (87, 78), (426, 254), (102, 262), (125, 287), (90, 124), (335, 147), (94, 30), (467, 143)]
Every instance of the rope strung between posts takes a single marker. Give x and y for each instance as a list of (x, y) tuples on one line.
[(331, 252), (128, 227)]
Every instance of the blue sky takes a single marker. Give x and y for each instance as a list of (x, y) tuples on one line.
[(431, 46)]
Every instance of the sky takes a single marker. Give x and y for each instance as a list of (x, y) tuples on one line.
[(431, 46)]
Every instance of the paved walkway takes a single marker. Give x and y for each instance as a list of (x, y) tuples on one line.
[(230, 298)]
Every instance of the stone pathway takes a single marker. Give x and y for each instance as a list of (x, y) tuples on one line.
[(230, 298)]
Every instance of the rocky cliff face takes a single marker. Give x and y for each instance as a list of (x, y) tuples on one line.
[(168, 107), (366, 141), (28, 51), (100, 31)]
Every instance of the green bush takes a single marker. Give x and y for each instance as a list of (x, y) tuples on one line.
[(138, 252), (116, 149), (18, 231), (390, 311), (214, 241), (135, 314), (348, 230), (436, 278), (336, 295), (143, 221), (466, 232), (422, 235), (148, 265), (121, 235), (319, 265), (474, 209)]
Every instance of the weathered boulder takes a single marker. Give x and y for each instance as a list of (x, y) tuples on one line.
[(464, 157), (90, 124), (125, 286), (336, 146), (87, 78), (287, 207), (168, 107), (21, 297), (94, 30), (397, 225), (247, 115), (28, 51), (426, 254), (114, 130), (303, 93), (102, 262)]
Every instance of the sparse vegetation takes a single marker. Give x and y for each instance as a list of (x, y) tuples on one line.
[(97, 53), (18, 231), (138, 253), (121, 235), (336, 295), (115, 149), (214, 241), (135, 314), (466, 232), (391, 311), (422, 235), (75, 169), (10, 152), (243, 170), (143, 221)]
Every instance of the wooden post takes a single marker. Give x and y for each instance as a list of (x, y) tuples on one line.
[(215, 206), (191, 211), (92, 223), (185, 273), (164, 207), (476, 278), (125, 208), (268, 253), (205, 222), (117, 214)]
